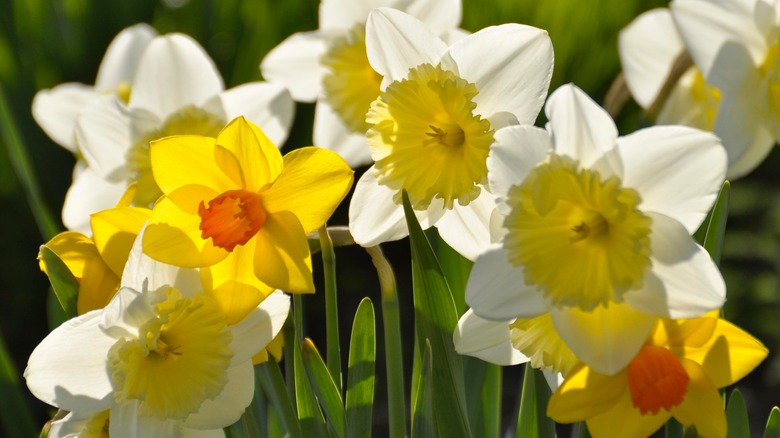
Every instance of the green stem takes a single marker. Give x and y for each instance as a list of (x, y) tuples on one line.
[(14, 411), (393, 350), (331, 307), (17, 151)]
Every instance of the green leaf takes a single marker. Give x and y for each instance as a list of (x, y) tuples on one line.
[(533, 420), (423, 424), (773, 424), (13, 407), (312, 423), (737, 416), (483, 395), (716, 228), (360, 375), (456, 269), (331, 308), (581, 430), (269, 377), (673, 429), (65, 285), (327, 392), (435, 320)]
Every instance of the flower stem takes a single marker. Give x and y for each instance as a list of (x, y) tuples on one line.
[(331, 307)]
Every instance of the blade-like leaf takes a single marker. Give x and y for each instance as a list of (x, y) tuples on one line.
[(483, 395), (324, 386), (435, 320), (312, 422), (737, 416), (360, 375), (773, 424), (580, 430), (533, 420), (673, 429), (423, 424), (716, 227), (269, 377), (13, 407), (65, 285), (331, 307)]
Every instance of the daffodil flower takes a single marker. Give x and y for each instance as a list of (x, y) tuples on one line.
[(233, 204), (114, 359), (55, 110), (735, 45), (650, 47), (330, 66), (599, 229), (433, 125), (176, 90), (677, 373)]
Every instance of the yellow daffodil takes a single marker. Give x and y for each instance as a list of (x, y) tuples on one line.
[(235, 205), (677, 373)]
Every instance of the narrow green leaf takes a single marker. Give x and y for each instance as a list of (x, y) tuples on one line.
[(269, 377), (435, 320), (673, 429), (327, 392), (312, 422), (249, 425), (483, 395), (65, 285), (690, 432), (581, 431), (456, 269), (716, 228), (331, 307), (773, 424), (737, 416), (533, 420), (13, 407), (423, 424), (360, 374)]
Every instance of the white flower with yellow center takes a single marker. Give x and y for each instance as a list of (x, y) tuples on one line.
[(650, 47), (176, 90), (736, 45), (330, 66), (161, 356), (599, 229), (433, 125)]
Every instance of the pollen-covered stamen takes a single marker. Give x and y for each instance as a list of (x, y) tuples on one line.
[(453, 137), (656, 379), (232, 218), (593, 228)]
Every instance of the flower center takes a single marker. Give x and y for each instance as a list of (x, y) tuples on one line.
[(179, 360), (232, 218), (351, 85), (426, 139), (707, 97), (770, 87), (187, 121), (579, 239), (96, 425), (123, 91), (537, 339), (656, 379)]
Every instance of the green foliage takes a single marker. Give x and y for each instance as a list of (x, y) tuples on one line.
[(716, 226), (360, 375), (533, 420), (64, 284), (423, 421), (773, 424), (737, 416), (14, 412), (270, 379), (325, 388)]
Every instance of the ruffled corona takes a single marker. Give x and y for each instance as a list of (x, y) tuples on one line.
[(579, 238), (351, 85), (656, 379), (178, 361), (537, 339), (232, 218), (426, 139), (97, 426)]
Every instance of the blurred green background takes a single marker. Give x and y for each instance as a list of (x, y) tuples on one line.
[(47, 42)]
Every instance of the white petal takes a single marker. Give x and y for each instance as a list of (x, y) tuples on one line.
[(454, 35), (581, 129), (683, 281), (126, 313), (553, 380), (227, 407), (126, 422), (143, 273), (56, 110), (88, 194), (517, 150), (374, 217), (68, 369), (330, 132), (295, 63), (174, 72), (210, 433), (606, 339), (496, 290), (649, 47), (467, 228), (516, 74), (257, 329), (343, 14), (439, 15), (70, 426), (677, 171), (104, 136), (396, 42), (488, 340), (121, 60), (268, 106)]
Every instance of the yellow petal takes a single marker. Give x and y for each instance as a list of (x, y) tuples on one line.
[(702, 405), (75, 250), (182, 160), (584, 394), (127, 198), (114, 231), (260, 160), (624, 417), (274, 348), (675, 334), (233, 283), (173, 234), (282, 259), (311, 186)]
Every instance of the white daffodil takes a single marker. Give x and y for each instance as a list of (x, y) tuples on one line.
[(736, 45), (432, 127), (330, 66), (599, 229), (77, 425), (160, 357), (55, 109), (650, 47), (176, 90)]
